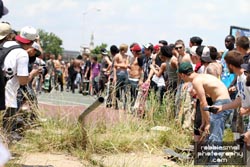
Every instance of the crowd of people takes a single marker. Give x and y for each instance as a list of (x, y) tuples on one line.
[(199, 76)]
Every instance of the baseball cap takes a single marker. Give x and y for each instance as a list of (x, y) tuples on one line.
[(36, 46), (148, 45), (163, 42), (136, 48), (204, 53), (157, 47), (185, 68), (104, 51), (27, 35), (193, 50), (5, 30)]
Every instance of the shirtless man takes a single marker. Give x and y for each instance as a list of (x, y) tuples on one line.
[(121, 63), (183, 99), (59, 69), (182, 55), (135, 71), (208, 85)]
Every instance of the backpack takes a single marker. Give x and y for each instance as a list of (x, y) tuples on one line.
[(3, 79)]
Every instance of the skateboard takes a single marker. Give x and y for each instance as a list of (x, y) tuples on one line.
[(46, 85), (85, 87), (177, 156), (189, 149), (140, 102)]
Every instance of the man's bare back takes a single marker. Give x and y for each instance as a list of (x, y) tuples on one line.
[(212, 86)]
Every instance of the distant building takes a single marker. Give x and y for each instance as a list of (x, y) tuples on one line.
[(92, 44), (69, 54)]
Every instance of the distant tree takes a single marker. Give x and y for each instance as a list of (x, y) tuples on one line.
[(50, 42), (97, 49)]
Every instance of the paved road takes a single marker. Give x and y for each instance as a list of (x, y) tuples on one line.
[(63, 104), (65, 98), (69, 106)]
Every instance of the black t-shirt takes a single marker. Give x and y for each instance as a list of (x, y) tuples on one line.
[(87, 64), (140, 61), (158, 61), (71, 71)]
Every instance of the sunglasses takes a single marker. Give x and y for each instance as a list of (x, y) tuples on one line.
[(178, 47)]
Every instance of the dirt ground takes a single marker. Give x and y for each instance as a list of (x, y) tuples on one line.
[(117, 160)]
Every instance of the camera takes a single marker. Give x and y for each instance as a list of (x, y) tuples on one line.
[(211, 109)]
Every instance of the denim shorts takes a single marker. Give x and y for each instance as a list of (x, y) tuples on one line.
[(217, 122)]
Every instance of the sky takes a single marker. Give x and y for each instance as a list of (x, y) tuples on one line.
[(127, 21)]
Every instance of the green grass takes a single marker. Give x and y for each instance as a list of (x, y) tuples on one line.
[(127, 135)]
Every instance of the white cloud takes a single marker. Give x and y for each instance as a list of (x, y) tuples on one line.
[(244, 6)]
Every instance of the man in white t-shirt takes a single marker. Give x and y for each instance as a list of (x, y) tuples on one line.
[(246, 111), (16, 62), (234, 60)]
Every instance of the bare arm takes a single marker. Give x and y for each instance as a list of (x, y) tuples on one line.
[(161, 70), (233, 105), (24, 80), (174, 63), (197, 85), (109, 62)]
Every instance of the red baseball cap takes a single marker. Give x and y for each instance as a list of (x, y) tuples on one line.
[(136, 48), (27, 35)]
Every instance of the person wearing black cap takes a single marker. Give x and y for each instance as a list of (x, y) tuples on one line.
[(163, 43), (205, 84), (105, 67)]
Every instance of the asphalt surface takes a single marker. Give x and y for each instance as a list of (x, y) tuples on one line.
[(64, 104), (65, 99)]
